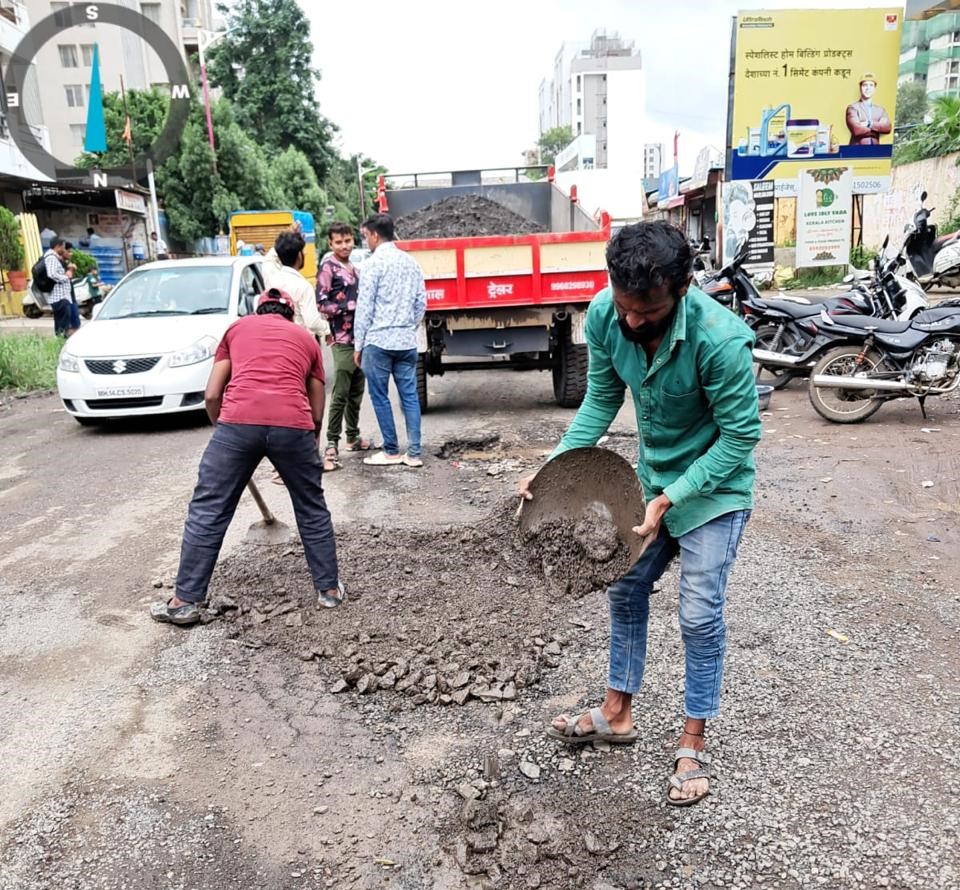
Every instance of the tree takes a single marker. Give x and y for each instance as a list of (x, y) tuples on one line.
[(552, 142), (912, 103), (931, 140), (148, 113), (199, 201), (264, 68), (296, 184)]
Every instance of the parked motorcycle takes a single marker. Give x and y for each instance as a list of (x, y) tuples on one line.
[(886, 359), (733, 284), (35, 303), (702, 260), (788, 332), (933, 261)]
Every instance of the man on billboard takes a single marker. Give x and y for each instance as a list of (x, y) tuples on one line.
[(866, 120)]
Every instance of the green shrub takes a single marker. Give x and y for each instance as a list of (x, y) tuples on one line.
[(11, 250), (29, 361), (83, 261), (815, 277)]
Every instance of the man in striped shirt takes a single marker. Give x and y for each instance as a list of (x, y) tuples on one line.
[(56, 261)]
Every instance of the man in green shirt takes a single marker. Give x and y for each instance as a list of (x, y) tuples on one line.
[(687, 362)]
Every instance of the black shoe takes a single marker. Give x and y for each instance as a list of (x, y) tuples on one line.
[(182, 616)]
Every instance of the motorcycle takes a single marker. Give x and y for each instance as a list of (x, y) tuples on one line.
[(732, 285), (35, 303), (788, 332), (884, 360), (933, 261), (702, 261)]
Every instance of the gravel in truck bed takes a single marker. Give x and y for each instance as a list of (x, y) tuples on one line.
[(464, 216)]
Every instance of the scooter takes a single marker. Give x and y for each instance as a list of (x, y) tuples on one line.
[(733, 285), (933, 261), (35, 303)]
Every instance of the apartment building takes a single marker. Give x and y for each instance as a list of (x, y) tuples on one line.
[(16, 168), (598, 89), (66, 61)]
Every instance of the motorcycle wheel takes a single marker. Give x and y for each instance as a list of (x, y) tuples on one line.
[(778, 378), (846, 405)]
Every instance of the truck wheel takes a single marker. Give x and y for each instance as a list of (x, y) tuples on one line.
[(422, 381), (32, 310), (569, 371)]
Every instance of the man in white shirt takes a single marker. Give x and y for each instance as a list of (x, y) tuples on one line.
[(159, 246), (285, 276)]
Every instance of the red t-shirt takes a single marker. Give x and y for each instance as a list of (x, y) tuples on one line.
[(271, 359)]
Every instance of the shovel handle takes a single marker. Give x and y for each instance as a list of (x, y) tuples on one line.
[(268, 517)]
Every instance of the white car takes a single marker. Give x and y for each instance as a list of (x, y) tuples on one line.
[(150, 346)]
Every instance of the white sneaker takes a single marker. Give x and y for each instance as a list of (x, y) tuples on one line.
[(412, 461), (382, 459)]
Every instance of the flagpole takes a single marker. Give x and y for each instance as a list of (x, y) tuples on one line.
[(126, 115)]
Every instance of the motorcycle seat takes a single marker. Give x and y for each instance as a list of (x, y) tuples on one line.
[(881, 325), (790, 307), (945, 239), (938, 319)]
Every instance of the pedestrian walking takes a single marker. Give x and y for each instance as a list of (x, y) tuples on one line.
[(390, 307), (56, 262), (688, 364), (265, 397), (159, 247), (337, 292)]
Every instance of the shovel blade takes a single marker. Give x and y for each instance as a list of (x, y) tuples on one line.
[(267, 533)]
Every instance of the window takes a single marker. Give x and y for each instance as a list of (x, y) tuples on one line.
[(68, 55), (579, 111), (151, 11), (578, 83), (954, 67), (57, 9), (86, 54), (77, 132), (955, 37), (74, 92), (251, 286)]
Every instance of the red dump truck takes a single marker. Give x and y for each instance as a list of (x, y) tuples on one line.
[(509, 301)]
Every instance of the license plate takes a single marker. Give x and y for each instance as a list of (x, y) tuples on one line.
[(119, 392)]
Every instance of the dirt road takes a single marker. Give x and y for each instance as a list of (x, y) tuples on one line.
[(140, 756)]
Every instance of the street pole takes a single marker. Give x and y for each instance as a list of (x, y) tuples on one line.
[(363, 213), (206, 39), (154, 207)]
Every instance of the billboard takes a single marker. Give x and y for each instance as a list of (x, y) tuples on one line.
[(824, 216), (748, 217), (814, 85)]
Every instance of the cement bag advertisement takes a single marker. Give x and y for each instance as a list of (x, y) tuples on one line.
[(748, 217), (824, 216), (814, 85)]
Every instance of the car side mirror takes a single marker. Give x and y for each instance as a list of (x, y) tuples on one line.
[(923, 197)]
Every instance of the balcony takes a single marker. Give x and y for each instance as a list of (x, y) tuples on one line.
[(14, 23)]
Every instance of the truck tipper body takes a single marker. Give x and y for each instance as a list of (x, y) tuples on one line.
[(511, 301)]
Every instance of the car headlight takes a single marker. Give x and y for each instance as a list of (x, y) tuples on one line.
[(69, 362), (196, 352)]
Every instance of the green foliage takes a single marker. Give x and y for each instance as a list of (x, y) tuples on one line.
[(860, 256), (295, 183), (148, 113), (197, 200), (815, 277), (264, 68), (11, 249), (912, 103), (28, 361), (553, 141), (940, 137), (83, 261)]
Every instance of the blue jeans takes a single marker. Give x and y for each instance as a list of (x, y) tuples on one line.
[(227, 464), (707, 555), (378, 365)]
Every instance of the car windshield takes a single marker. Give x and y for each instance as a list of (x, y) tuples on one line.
[(188, 290)]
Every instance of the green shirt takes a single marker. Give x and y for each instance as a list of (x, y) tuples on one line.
[(696, 407)]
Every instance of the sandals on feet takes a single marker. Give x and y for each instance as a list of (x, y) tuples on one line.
[(573, 734), (677, 780), (331, 602), (331, 460), (183, 615), (360, 444)]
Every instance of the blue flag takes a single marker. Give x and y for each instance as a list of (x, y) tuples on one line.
[(95, 139)]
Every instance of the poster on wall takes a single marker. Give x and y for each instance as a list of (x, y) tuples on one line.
[(814, 85), (748, 216), (824, 203)]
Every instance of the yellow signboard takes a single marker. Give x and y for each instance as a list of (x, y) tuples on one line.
[(815, 86)]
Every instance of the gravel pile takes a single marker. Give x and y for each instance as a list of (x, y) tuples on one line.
[(464, 216)]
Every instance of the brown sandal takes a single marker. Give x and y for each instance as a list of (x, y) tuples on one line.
[(360, 444), (330, 459)]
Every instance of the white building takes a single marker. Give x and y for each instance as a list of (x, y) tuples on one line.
[(599, 90), (66, 62), (16, 169)]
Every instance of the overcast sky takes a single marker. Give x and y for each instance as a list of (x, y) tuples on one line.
[(430, 85)]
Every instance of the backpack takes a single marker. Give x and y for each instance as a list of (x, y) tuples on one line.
[(41, 280)]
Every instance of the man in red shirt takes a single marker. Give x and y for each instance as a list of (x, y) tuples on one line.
[(265, 397)]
